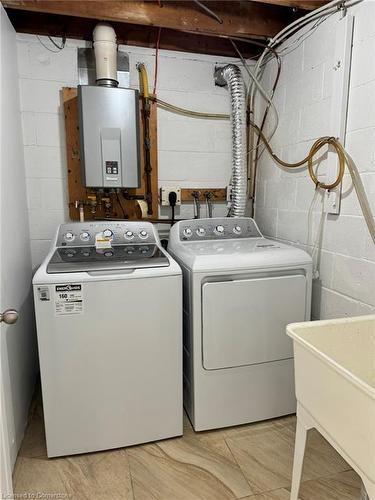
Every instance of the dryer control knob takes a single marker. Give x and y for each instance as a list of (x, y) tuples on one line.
[(107, 233), (219, 229), (143, 234), (129, 235), (237, 229), (201, 231), (188, 232), (69, 236)]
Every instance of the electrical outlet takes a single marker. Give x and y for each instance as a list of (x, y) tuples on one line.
[(164, 195)]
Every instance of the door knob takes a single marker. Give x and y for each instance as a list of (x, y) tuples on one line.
[(10, 316)]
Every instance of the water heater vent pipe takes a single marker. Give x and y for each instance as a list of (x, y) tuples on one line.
[(231, 76), (105, 48)]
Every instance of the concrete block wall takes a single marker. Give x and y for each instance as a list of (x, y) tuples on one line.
[(192, 152), (345, 254)]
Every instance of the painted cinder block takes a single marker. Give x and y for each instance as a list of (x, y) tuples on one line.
[(355, 278), (346, 259), (191, 151)]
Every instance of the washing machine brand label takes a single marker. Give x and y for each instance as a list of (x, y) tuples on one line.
[(68, 299)]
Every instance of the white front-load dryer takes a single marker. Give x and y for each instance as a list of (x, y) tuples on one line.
[(240, 292), (108, 303)]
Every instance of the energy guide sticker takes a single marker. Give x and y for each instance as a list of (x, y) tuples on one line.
[(68, 299)]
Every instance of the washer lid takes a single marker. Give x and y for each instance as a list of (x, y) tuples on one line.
[(88, 258), (238, 254)]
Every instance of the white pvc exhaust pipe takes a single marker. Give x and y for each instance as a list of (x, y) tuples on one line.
[(105, 48)]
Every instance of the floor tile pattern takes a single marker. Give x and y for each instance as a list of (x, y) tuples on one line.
[(249, 462)]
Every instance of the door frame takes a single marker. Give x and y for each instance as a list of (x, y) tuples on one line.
[(6, 485)]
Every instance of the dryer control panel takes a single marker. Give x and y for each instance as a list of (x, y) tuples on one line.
[(117, 233), (218, 229)]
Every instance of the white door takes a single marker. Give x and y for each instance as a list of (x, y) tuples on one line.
[(17, 341)]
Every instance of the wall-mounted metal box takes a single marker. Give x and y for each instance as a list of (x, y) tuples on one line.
[(109, 136)]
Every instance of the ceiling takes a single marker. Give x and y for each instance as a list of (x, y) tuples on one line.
[(179, 25)]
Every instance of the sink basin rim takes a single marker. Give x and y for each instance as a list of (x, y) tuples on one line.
[(293, 330)]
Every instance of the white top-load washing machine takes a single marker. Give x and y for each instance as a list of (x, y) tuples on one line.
[(240, 292), (108, 303)]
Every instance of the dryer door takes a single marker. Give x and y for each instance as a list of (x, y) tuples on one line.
[(244, 320)]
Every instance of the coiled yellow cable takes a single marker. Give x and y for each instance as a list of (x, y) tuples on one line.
[(343, 157), (318, 144), (309, 158)]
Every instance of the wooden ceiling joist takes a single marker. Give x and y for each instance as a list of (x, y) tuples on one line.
[(185, 25), (240, 18), (127, 34), (296, 4)]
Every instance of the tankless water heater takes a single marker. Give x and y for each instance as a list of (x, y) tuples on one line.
[(109, 136)]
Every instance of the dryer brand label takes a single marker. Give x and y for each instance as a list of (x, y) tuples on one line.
[(68, 299)]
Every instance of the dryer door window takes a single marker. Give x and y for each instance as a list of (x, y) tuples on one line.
[(244, 320)]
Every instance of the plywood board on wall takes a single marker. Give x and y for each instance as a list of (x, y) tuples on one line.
[(121, 207)]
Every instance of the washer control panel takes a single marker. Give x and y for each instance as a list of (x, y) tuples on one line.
[(118, 233), (218, 229)]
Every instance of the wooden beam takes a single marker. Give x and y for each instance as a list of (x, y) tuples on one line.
[(218, 194), (128, 34), (296, 4), (240, 18)]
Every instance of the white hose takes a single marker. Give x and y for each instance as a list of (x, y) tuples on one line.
[(233, 77), (361, 195)]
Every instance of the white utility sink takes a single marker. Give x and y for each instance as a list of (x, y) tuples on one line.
[(335, 390)]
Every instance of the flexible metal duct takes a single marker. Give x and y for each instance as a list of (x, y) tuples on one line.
[(231, 76)]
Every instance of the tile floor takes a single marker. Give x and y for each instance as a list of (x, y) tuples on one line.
[(251, 462)]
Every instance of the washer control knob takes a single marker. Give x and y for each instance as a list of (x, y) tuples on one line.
[(237, 229), (107, 233), (129, 235), (69, 236), (143, 234), (219, 229), (201, 231), (85, 236), (187, 232), (108, 254)]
